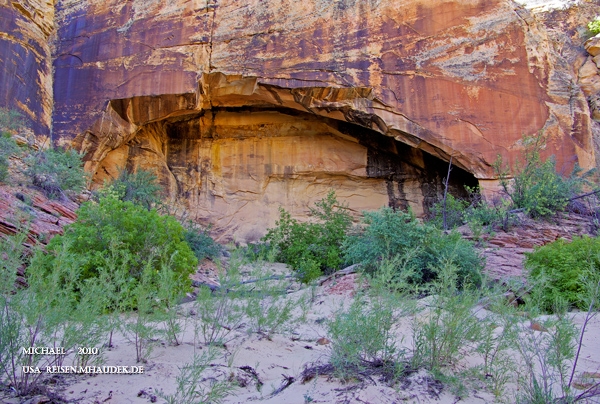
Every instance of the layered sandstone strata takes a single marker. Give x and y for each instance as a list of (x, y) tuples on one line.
[(244, 106), (233, 166), (26, 27)]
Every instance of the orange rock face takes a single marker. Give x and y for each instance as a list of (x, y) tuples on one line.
[(244, 106), (235, 167), (26, 81)]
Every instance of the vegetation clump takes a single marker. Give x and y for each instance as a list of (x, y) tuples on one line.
[(200, 241), (417, 249), (311, 248), (10, 121), (362, 339), (537, 188), (561, 270), (126, 237), (56, 170), (8, 147), (594, 26), (140, 187)]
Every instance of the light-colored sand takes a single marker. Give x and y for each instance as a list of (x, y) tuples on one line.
[(283, 356)]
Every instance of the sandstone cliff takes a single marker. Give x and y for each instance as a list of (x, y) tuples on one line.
[(26, 27), (244, 106)]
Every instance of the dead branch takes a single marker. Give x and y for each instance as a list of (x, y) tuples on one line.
[(228, 287), (352, 269), (287, 382)]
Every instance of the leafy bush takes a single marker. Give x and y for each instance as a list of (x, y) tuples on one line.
[(8, 147), (56, 170), (537, 188), (45, 313), (126, 237), (387, 234), (594, 26), (560, 271), (219, 313), (315, 247), (448, 328), (142, 327), (201, 243), (267, 307), (140, 187), (455, 212)]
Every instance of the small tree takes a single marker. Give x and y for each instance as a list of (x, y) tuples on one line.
[(536, 187), (140, 187), (314, 247)]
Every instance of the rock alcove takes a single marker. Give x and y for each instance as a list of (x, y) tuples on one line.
[(234, 164)]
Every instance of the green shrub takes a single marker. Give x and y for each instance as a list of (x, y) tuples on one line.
[(11, 122), (447, 328), (267, 307), (200, 241), (362, 337), (455, 212), (547, 362), (193, 387), (560, 270), (142, 326), (140, 187), (315, 247), (537, 188), (8, 147), (387, 234), (219, 313), (55, 171), (46, 313), (478, 214), (126, 237), (482, 212), (594, 26)]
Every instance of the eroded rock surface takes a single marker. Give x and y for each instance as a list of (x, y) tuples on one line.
[(234, 166), (26, 28), (504, 252), (29, 210), (244, 106)]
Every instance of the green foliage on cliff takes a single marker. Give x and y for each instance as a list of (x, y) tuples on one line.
[(8, 147), (10, 121), (56, 170), (594, 26)]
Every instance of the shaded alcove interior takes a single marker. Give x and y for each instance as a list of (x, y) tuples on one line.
[(233, 167)]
